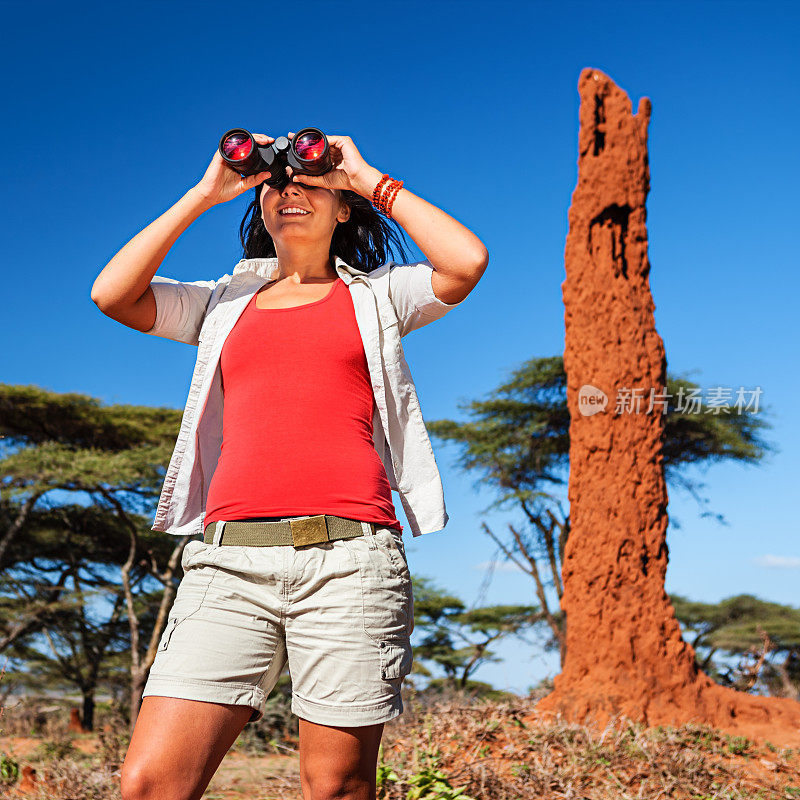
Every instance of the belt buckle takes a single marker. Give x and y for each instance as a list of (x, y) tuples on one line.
[(311, 530)]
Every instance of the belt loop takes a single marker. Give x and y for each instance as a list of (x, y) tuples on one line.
[(219, 527), (366, 528)]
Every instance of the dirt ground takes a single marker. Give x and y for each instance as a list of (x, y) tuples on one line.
[(491, 750), (239, 775)]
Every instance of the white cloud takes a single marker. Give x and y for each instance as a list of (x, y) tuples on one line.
[(778, 562), (499, 566)]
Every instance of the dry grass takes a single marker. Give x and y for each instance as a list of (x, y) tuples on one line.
[(493, 750), (440, 745)]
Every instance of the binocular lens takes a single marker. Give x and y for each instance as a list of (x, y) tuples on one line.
[(307, 154), (310, 146), (237, 146)]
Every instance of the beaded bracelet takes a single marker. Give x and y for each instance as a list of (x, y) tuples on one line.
[(376, 192), (381, 206), (391, 194), (384, 194), (387, 191)]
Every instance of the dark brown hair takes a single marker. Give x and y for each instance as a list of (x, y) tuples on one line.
[(367, 240)]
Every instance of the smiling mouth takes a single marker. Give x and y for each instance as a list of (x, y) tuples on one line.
[(293, 212)]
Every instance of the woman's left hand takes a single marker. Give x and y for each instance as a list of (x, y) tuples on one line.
[(350, 171)]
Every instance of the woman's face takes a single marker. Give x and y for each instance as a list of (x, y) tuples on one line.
[(323, 208)]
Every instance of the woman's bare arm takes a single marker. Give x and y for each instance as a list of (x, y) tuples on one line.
[(122, 290), (457, 255)]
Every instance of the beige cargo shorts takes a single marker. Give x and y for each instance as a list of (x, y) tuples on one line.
[(340, 613)]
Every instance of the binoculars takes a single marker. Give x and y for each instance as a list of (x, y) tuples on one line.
[(307, 153)]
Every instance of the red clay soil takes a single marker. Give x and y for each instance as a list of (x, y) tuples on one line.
[(75, 722), (624, 651)]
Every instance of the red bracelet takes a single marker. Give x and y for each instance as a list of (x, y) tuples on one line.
[(381, 196), (376, 192), (384, 193), (392, 194)]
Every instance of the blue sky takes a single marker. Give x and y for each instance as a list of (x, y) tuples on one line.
[(112, 114)]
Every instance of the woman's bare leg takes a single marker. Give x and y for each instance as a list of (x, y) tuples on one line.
[(338, 762), (177, 746)]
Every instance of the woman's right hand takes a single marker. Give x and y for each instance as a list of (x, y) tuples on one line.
[(222, 183)]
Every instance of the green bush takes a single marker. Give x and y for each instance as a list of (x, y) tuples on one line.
[(431, 783), (9, 769)]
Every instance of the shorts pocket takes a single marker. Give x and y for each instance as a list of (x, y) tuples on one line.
[(392, 545), (165, 637), (385, 588), (396, 659), (387, 543), (189, 599), (193, 552)]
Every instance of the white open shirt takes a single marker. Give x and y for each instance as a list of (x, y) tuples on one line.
[(389, 302)]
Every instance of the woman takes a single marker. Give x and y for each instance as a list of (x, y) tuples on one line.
[(302, 559)]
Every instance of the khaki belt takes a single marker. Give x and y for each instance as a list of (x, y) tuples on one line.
[(298, 532)]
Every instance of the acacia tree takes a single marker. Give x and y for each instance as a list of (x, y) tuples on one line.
[(459, 639), (762, 637), (110, 457), (517, 442), (81, 639)]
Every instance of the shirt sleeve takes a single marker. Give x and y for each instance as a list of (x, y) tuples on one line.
[(180, 308), (412, 296)]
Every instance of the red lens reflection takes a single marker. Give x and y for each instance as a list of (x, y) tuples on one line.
[(310, 146), (237, 146)]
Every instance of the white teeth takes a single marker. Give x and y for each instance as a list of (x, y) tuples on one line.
[(284, 211)]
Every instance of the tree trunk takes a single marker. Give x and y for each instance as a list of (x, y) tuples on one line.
[(88, 711), (624, 654), (138, 681)]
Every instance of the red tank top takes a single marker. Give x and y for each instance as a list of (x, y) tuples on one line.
[(297, 417)]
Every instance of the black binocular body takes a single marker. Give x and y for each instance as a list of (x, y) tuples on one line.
[(307, 153)]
